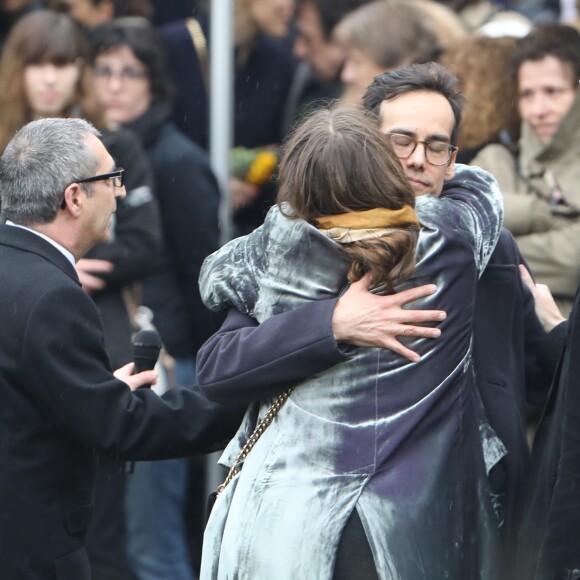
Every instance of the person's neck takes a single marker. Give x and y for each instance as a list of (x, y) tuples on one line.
[(64, 235)]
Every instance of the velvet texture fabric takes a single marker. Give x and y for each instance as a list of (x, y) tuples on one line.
[(395, 441)]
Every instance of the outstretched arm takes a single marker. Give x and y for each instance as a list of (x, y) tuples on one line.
[(546, 307), (243, 362), (554, 323)]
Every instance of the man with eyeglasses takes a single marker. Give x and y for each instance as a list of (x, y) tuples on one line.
[(62, 406), (420, 111)]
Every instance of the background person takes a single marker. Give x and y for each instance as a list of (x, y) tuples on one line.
[(91, 13), (11, 11), (539, 185), (262, 73), (380, 36), (316, 80)]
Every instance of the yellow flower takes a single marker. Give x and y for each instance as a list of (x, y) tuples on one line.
[(262, 168)]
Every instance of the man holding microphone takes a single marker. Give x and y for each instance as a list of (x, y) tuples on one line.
[(61, 403)]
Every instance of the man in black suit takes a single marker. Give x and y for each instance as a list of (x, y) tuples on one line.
[(61, 403)]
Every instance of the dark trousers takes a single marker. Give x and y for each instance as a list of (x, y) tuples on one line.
[(354, 559)]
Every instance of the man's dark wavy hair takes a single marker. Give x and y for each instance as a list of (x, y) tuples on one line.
[(415, 77)]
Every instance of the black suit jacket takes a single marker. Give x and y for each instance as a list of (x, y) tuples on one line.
[(508, 339), (61, 406)]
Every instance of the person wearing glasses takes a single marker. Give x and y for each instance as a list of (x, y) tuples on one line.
[(44, 72), (62, 406), (245, 361)]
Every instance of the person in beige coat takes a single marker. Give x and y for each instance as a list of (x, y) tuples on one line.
[(541, 184)]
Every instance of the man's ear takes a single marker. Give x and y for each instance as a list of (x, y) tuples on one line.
[(73, 199), (451, 166)]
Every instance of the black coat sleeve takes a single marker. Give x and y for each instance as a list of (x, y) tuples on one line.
[(245, 362), (71, 380)]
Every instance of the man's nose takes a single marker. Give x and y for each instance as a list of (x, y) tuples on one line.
[(120, 192), (417, 158)]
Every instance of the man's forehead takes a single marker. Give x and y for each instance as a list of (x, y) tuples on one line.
[(97, 147), (421, 113)]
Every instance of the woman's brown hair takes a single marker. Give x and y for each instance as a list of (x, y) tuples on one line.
[(337, 161), (42, 37)]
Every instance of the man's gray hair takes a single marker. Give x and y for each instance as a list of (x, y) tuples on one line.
[(39, 163)]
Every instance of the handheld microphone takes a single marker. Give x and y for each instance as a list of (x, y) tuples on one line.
[(146, 349)]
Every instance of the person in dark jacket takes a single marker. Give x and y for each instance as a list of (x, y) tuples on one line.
[(507, 333), (548, 546), (262, 76), (46, 55), (61, 404), (131, 84)]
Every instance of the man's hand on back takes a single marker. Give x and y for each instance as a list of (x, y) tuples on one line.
[(365, 319)]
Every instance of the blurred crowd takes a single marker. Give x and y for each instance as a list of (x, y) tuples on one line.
[(138, 70)]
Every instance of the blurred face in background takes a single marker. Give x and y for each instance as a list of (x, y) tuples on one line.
[(357, 74), (14, 5), (324, 56), (84, 11), (50, 88), (122, 85), (546, 90), (272, 17)]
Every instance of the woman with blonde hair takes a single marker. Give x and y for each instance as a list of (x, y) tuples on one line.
[(375, 461)]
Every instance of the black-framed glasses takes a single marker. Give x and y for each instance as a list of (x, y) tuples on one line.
[(116, 177), (436, 152)]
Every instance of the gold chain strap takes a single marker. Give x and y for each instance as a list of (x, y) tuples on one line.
[(253, 439), (200, 44)]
